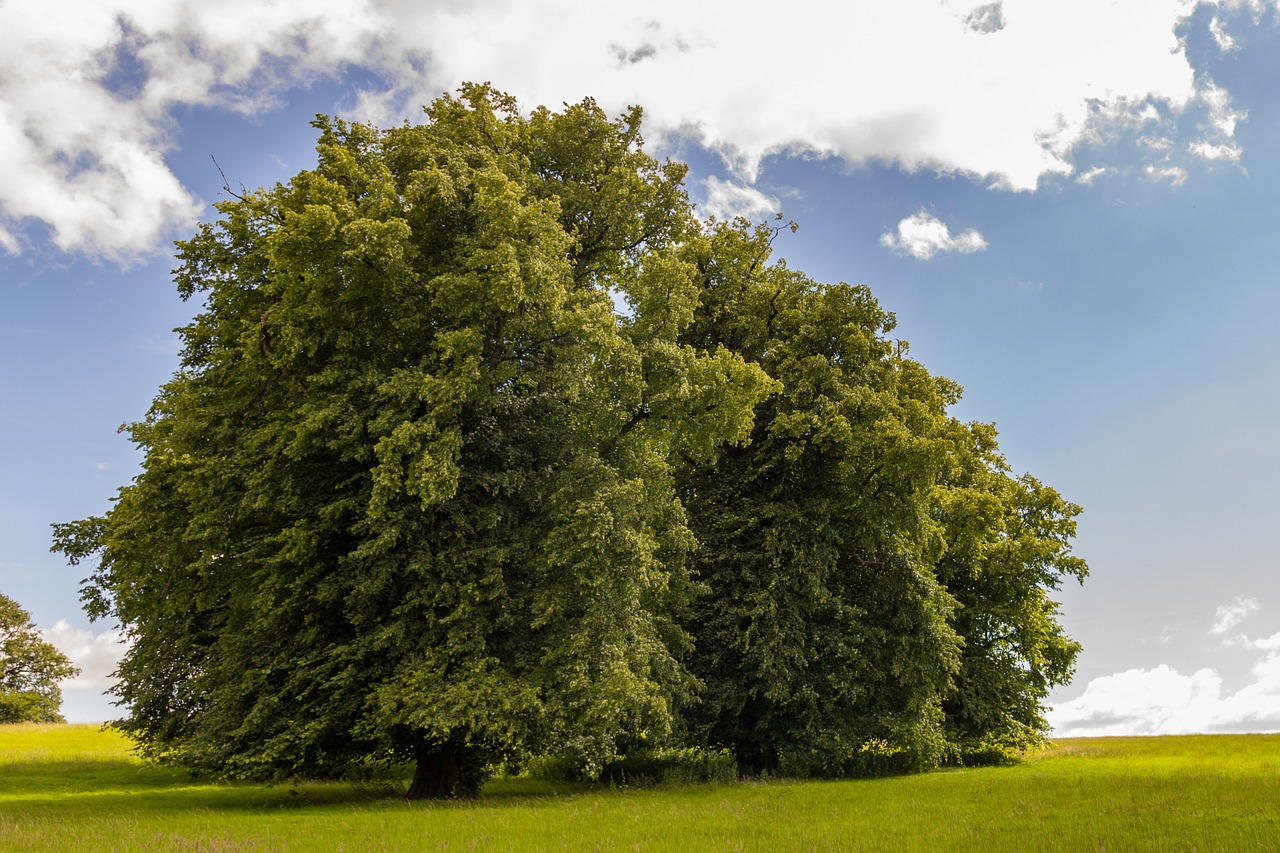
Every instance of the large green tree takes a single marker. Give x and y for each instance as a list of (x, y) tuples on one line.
[(484, 445), (879, 582), (411, 493), (30, 669)]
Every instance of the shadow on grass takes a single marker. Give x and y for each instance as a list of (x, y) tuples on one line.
[(72, 786)]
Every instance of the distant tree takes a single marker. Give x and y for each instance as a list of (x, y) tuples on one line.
[(411, 494), (30, 669)]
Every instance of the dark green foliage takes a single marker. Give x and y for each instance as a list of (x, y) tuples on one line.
[(879, 582), (645, 766), (410, 494), (672, 766), (420, 493), (30, 669), (1008, 547)]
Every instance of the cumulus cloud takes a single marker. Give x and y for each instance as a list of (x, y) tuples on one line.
[(1140, 702), (1001, 91), (97, 655), (922, 235), (1163, 700), (727, 199)]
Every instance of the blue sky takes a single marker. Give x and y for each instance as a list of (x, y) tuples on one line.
[(1070, 207)]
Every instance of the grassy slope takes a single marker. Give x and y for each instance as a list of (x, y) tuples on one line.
[(75, 788)]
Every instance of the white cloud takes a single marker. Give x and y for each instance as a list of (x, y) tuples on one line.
[(1140, 701), (726, 199), (1222, 116), (986, 19), (1208, 151), (1218, 142), (922, 235), (1230, 615), (1163, 700), (1175, 175), (1266, 644), (97, 655), (9, 241), (1257, 7), (1088, 177), (1221, 36), (1000, 91)]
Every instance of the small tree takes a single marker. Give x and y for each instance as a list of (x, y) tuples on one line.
[(30, 669)]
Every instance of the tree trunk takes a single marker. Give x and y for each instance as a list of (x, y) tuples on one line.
[(758, 761), (436, 776)]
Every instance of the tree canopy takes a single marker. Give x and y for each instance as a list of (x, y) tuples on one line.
[(878, 578), (483, 445), (30, 669)]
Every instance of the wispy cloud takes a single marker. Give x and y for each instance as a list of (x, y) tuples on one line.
[(922, 235), (727, 199), (1208, 151), (1230, 615), (1089, 176), (1218, 130), (1175, 175), (1220, 35)]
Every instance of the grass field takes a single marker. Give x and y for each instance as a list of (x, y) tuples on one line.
[(77, 788)]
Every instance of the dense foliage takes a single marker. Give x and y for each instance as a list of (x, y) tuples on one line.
[(422, 490), (30, 669), (878, 579)]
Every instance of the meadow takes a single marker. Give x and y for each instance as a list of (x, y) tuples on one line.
[(79, 788)]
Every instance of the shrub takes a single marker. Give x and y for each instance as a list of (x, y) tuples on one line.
[(646, 766)]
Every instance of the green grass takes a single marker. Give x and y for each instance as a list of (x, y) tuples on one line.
[(77, 788)]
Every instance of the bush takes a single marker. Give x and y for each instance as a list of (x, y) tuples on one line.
[(913, 751), (985, 753), (647, 766), (878, 757), (872, 758)]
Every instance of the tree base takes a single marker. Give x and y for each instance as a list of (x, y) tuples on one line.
[(437, 774)]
